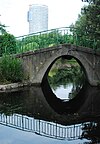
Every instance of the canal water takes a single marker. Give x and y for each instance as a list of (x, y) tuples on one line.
[(39, 114), (63, 92)]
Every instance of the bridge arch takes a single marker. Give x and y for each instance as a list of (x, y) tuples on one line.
[(68, 57), (37, 64), (68, 54)]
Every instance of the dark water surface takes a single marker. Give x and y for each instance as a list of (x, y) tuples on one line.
[(34, 115)]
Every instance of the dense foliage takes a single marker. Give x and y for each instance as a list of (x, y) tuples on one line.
[(88, 24), (7, 41), (64, 76), (10, 69), (7, 44)]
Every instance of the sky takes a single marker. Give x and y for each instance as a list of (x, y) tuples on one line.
[(62, 13)]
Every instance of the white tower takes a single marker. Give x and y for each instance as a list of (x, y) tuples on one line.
[(37, 18)]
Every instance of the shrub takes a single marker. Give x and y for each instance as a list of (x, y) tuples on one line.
[(11, 69)]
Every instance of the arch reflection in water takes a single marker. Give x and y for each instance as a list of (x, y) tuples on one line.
[(43, 128), (59, 105)]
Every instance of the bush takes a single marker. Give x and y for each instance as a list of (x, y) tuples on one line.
[(11, 69), (7, 44)]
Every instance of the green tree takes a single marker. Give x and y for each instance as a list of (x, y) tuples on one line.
[(7, 44), (2, 29), (88, 24)]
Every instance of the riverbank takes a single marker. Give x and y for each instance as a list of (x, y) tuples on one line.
[(15, 86)]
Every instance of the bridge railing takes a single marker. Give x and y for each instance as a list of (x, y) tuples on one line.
[(45, 39), (41, 127)]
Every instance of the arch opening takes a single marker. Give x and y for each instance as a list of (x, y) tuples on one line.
[(65, 76)]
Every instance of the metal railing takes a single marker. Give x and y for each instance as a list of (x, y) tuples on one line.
[(41, 127), (45, 39)]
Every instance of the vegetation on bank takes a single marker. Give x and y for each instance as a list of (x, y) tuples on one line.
[(10, 69)]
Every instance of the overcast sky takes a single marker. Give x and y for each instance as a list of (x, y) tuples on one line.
[(61, 13)]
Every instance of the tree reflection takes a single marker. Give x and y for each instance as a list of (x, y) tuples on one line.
[(91, 131)]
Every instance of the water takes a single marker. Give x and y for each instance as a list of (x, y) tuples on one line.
[(34, 115), (62, 92)]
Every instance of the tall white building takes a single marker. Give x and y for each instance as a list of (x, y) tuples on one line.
[(37, 18)]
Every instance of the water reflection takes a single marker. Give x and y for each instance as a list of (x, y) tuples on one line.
[(91, 131), (42, 128), (38, 110), (63, 92)]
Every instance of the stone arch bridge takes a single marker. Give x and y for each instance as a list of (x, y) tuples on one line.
[(37, 63)]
